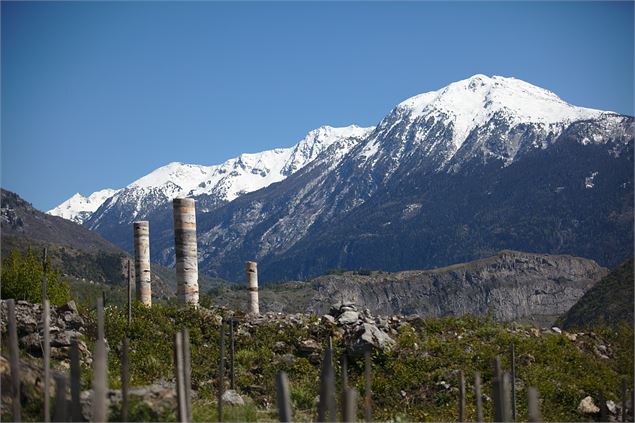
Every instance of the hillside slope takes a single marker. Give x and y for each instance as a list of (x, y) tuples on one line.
[(79, 254), (608, 302)]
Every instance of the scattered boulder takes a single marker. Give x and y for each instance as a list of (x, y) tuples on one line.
[(341, 307), (348, 317), (309, 346), (288, 359), (69, 307), (327, 318), (587, 406), (368, 336), (63, 339), (232, 397)]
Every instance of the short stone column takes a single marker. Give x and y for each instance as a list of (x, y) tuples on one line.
[(252, 282), (142, 262), (185, 250)]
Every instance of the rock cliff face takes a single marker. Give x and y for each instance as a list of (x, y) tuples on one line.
[(512, 285)]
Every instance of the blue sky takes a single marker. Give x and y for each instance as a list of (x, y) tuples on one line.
[(95, 95)]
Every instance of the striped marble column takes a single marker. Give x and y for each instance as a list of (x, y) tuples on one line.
[(185, 249), (252, 281), (142, 262)]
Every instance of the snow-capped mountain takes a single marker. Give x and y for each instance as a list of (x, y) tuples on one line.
[(483, 164), (224, 182), (78, 208), (489, 118)]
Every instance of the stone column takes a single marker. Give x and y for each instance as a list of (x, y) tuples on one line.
[(185, 250), (142, 262), (252, 281)]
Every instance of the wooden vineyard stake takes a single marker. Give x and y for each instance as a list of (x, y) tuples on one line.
[(232, 377), (500, 393), (624, 397), (125, 377), (368, 411), (130, 287), (46, 354), (604, 412), (512, 360), (14, 362), (350, 405), (100, 370), (99, 405), (479, 398), (461, 396), (178, 375), (533, 405), (61, 405), (282, 397), (221, 372), (44, 268), (327, 406), (76, 412), (187, 374), (344, 382)]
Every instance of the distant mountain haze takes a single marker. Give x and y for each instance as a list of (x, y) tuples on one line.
[(484, 164)]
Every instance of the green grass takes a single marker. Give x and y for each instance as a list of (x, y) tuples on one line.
[(406, 381)]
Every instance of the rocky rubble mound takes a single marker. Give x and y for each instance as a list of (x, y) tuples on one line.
[(362, 331), (65, 325), (359, 329)]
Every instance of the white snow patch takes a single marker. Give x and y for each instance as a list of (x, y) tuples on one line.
[(78, 206), (588, 181)]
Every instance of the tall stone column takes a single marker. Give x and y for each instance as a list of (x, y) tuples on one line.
[(142, 262), (252, 280), (185, 249)]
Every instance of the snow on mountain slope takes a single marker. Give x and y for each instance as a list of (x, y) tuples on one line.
[(472, 102), (225, 182), (78, 208), (442, 121)]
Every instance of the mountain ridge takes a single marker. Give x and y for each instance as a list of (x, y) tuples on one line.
[(228, 180), (430, 185), (347, 218)]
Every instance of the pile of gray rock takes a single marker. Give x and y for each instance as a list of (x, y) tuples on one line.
[(361, 331), (65, 325)]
